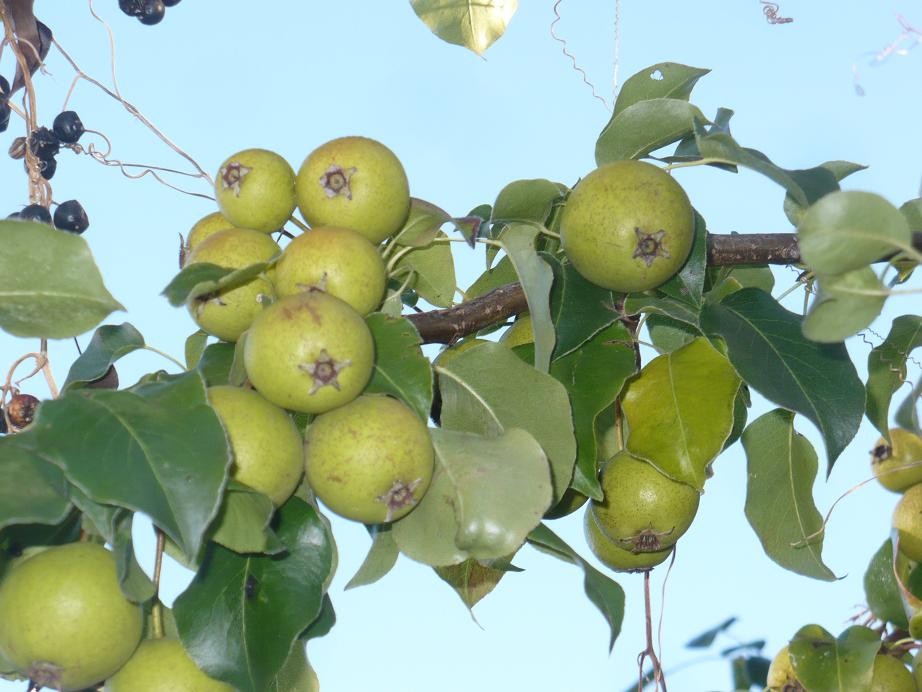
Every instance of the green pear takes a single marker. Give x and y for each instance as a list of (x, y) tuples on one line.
[(162, 665), (907, 520), (255, 189), (891, 675), (781, 676), (898, 464), (613, 556), (206, 226)]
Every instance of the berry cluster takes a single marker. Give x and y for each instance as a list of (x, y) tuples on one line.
[(147, 11), (4, 104)]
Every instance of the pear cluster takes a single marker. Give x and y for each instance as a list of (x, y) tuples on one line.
[(897, 465), (297, 315)]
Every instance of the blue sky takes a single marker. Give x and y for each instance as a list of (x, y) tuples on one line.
[(287, 76)]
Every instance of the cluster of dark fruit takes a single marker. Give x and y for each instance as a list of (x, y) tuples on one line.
[(147, 11), (5, 109)]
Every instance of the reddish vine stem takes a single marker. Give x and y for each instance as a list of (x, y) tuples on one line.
[(650, 652), (724, 250)]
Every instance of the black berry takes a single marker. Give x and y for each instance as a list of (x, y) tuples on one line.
[(15, 215), (21, 409), (47, 168), (152, 11), (36, 212), (44, 143), (68, 127), (130, 7), (71, 216), (170, 3), (4, 88), (5, 111)]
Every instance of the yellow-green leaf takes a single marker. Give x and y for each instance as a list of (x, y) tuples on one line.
[(474, 25)]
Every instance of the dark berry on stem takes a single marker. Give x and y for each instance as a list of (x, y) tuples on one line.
[(130, 7), (71, 216), (152, 11), (4, 88), (44, 143), (36, 212), (21, 409), (47, 168), (5, 111), (18, 148), (68, 127)]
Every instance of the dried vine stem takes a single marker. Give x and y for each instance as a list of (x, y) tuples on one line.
[(448, 325)]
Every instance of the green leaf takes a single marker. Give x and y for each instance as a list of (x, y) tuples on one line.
[(50, 286), (887, 368), (134, 582), (604, 593), (433, 272), (662, 80), (242, 524), (667, 334), (32, 491), (768, 349), (842, 308), (109, 343), (296, 674), (486, 494), (16, 539), (669, 307), (401, 369), (779, 494), (216, 362), (527, 200), (203, 278), (241, 614), (839, 170), (907, 415), (195, 347), (912, 210), (157, 449), (500, 275), (471, 580), (644, 127), (705, 639), (488, 390), (536, 278), (850, 230), (679, 410), (579, 308), (824, 663), (688, 285), (882, 590), (381, 558), (594, 375), (422, 225), (474, 26)]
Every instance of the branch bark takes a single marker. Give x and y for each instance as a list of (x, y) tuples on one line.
[(449, 325)]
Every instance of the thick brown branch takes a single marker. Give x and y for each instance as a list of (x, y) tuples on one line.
[(449, 325)]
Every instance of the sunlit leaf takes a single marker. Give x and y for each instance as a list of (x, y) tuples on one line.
[(768, 349), (845, 304), (536, 278), (242, 613), (422, 225), (109, 343), (488, 390), (471, 580), (579, 308), (645, 126), (472, 25), (839, 170), (881, 588), (605, 593), (242, 524), (527, 200), (486, 494), (50, 286), (662, 80), (401, 369), (203, 278), (680, 410), (850, 230), (195, 345), (779, 494), (433, 271), (687, 285), (887, 368), (216, 362), (381, 558), (824, 663)]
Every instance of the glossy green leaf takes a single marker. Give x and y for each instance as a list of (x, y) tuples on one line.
[(839, 170), (243, 522), (381, 558), (471, 580), (912, 210), (536, 278), (216, 363), (881, 588), (887, 368), (850, 230), (644, 127), (135, 584), (579, 308), (50, 286), (907, 415), (756, 276), (680, 410), (488, 390), (401, 369), (422, 225), (472, 25), (663, 80), (235, 601), (500, 275), (824, 663), (845, 304), (17, 538), (668, 334), (782, 468), (740, 415), (109, 343), (604, 593), (527, 200), (157, 449), (296, 674), (594, 375), (32, 490), (670, 307), (203, 278), (768, 349), (486, 494), (687, 285), (194, 347), (433, 271)]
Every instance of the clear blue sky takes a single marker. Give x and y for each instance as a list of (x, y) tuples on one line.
[(220, 77)]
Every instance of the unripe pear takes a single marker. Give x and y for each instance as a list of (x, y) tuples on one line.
[(520, 332), (229, 313), (781, 677), (309, 352), (338, 261), (370, 460), (891, 675), (615, 557), (206, 226), (162, 665), (266, 445), (255, 189), (898, 464), (907, 520), (355, 182), (64, 622)]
